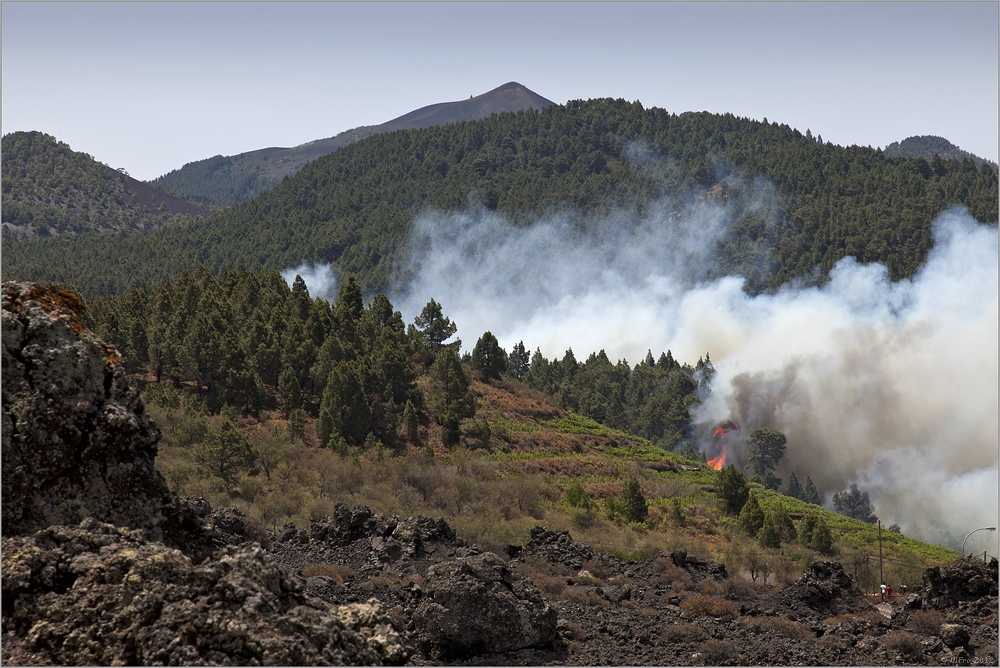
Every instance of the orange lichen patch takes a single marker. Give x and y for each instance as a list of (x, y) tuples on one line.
[(62, 304), (112, 357)]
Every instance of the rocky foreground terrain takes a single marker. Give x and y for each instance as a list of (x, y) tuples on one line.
[(103, 565)]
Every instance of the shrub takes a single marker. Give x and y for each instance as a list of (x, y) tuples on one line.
[(683, 632), (596, 567), (781, 625), (333, 571), (226, 451), (719, 653), (577, 496), (711, 606), (926, 622), (905, 644), (738, 589), (479, 431), (709, 587), (669, 574)]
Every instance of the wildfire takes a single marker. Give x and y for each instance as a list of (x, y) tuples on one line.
[(719, 435)]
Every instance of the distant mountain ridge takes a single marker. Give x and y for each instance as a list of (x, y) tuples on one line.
[(354, 208), (50, 189), (222, 181), (929, 146)]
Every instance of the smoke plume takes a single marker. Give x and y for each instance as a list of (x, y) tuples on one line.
[(319, 279), (890, 385)]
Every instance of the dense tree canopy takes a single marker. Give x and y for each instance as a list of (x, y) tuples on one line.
[(796, 205), (50, 189)]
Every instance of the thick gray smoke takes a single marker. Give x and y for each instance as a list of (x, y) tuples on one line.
[(890, 385)]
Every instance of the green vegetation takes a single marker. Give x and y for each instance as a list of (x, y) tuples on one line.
[(215, 183), (932, 149), (766, 448), (362, 419), (221, 181), (49, 189), (354, 207), (855, 503)]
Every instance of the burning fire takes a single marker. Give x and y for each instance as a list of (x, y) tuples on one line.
[(719, 436)]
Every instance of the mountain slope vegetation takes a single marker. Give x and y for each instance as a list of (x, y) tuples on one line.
[(222, 181), (797, 204), (51, 190), (282, 405), (930, 147)]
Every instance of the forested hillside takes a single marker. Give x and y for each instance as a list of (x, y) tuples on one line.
[(250, 342), (930, 147), (278, 403), (50, 189), (222, 181), (801, 204)]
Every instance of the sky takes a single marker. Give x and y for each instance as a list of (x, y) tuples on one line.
[(149, 87)]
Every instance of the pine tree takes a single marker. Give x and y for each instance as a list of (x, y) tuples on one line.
[(226, 451), (752, 516), (412, 423), (732, 489), (793, 487), (807, 527), (488, 358), (449, 386), (822, 538), (519, 361), (297, 424), (810, 494), (633, 504), (290, 395), (577, 496), (344, 411), (784, 523), (770, 532), (434, 327), (855, 503), (767, 447)]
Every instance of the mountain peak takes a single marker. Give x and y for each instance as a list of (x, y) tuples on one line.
[(511, 96)]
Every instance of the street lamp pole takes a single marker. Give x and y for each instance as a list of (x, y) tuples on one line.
[(974, 531)]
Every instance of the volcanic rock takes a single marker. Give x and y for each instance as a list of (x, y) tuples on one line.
[(965, 579), (557, 547), (477, 605), (824, 588), (103, 595), (77, 441), (954, 635)]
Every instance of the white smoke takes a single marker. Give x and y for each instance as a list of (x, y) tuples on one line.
[(890, 385), (319, 279)]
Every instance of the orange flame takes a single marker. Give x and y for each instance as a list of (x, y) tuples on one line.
[(719, 462), (719, 434)]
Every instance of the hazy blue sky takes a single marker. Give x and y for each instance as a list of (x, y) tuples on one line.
[(151, 86)]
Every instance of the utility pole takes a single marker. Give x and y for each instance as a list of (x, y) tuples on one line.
[(881, 578)]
